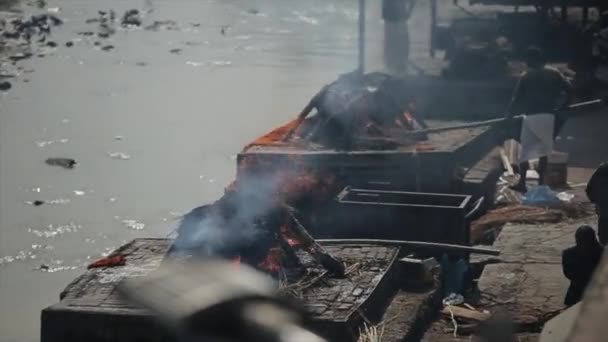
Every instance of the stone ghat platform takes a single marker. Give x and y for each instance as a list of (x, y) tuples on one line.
[(430, 165), (526, 282), (91, 310)]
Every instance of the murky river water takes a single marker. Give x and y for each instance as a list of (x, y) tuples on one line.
[(154, 133)]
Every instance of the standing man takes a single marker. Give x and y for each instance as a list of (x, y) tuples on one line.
[(597, 192), (396, 13), (540, 89)]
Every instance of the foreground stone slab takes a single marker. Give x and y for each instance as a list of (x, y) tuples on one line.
[(91, 310), (530, 293)]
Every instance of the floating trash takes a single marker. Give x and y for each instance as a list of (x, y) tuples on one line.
[(79, 192), (112, 199), (118, 137), (133, 224), (67, 163), (44, 143), (52, 269), (36, 247), (119, 155), (20, 256), (58, 201), (35, 203), (221, 63), (52, 231), (195, 64)]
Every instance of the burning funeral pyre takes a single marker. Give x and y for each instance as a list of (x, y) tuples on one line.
[(256, 221)]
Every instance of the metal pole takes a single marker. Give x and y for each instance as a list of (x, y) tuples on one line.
[(433, 27), (362, 36)]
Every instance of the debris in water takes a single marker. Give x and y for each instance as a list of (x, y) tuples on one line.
[(141, 64), (253, 11), (195, 64), (79, 192), (20, 56), (52, 231), (195, 24), (118, 137), (224, 29), (21, 255), (108, 48), (4, 86), (131, 18), (41, 247), (112, 199), (97, 43), (53, 9), (164, 24), (221, 63), (50, 142), (43, 267), (58, 201), (37, 203), (119, 155), (67, 163), (133, 224), (86, 33), (176, 51), (51, 44)]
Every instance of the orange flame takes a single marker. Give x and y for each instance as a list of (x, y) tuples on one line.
[(272, 262)]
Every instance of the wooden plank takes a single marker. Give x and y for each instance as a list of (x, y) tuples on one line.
[(465, 313), (418, 244)]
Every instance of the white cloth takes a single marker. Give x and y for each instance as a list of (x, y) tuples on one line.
[(536, 136)]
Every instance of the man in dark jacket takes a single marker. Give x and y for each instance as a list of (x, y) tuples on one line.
[(541, 89), (579, 263), (597, 192)]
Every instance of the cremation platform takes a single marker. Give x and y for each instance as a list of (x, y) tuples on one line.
[(431, 165), (91, 310)]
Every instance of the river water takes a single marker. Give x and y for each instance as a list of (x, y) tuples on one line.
[(154, 132)]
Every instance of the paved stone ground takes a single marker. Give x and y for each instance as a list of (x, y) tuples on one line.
[(410, 313), (528, 282)]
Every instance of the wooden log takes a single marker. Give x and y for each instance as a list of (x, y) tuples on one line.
[(419, 244), (465, 313), (332, 264)]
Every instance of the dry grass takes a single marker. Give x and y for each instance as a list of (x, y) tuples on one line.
[(371, 333)]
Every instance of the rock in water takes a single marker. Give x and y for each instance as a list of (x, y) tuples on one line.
[(63, 162)]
